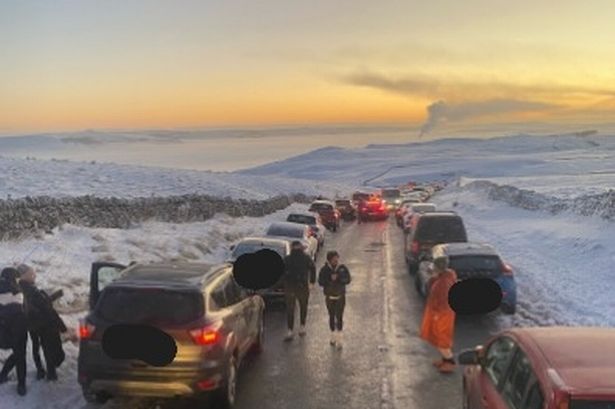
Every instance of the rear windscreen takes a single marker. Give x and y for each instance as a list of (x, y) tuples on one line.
[(246, 248), (321, 207), (441, 230), (476, 266), (149, 306), (391, 193), (592, 404), (284, 231), (300, 218)]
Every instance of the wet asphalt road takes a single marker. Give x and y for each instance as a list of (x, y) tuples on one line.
[(383, 363)]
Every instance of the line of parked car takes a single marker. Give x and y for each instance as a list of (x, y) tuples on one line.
[(214, 322), (519, 368)]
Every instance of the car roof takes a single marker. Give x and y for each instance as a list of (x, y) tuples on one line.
[(440, 214), (288, 226), (582, 357), (185, 275), (466, 249), (322, 201), (263, 241)]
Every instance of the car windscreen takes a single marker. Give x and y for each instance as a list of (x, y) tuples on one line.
[(476, 266), (246, 248), (592, 404), (149, 306), (391, 193), (284, 231), (319, 207), (301, 218), (441, 230)]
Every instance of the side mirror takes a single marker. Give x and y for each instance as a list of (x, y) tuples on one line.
[(471, 356)]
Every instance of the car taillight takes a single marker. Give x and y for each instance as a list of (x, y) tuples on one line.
[(414, 247), (564, 403), (208, 335), (507, 270), (86, 330)]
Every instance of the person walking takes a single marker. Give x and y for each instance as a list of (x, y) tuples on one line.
[(438, 323), (334, 277), (299, 278), (13, 328), (44, 324)]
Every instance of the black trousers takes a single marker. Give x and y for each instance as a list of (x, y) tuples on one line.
[(17, 359), (292, 295), (336, 312), (35, 337)]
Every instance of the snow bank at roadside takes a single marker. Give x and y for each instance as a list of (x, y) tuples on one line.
[(563, 262), (63, 260)]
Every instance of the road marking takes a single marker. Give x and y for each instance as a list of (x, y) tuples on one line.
[(385, 389)]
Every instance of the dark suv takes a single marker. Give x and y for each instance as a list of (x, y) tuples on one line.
[(213, 321), (431, 229)]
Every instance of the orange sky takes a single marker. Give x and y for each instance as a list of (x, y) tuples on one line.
[(76, 65)]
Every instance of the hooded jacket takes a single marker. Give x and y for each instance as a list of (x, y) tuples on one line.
[(39, 309), (299, 269), (334, 288)]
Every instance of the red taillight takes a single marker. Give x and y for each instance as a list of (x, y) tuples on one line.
[(205, 336), (414, 247), (207, 384), (507, 270), (86, 330)]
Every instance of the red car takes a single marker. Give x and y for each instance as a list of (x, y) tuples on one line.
[(374, 208), (542, 368), (329, 215)]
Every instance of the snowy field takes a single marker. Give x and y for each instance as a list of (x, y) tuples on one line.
[(562, 262)]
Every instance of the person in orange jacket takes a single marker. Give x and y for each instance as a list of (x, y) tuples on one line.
[(438, 324)]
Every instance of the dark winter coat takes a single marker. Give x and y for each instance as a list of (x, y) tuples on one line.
[(39, 309), (13, 326), (299, 270), (337, 287)]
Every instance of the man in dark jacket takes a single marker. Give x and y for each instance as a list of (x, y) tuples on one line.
[(44, 323), (334, 277), (299, 278), (13, 328)]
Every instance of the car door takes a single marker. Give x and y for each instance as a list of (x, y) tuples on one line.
[(101, 275), (498, 357), (520, 388), (236, 311)]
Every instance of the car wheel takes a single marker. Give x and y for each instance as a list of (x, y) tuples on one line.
[(225, 397), (94, 397)]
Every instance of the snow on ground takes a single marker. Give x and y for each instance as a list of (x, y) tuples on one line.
[(63, 260), (28, 177), (563, 263)]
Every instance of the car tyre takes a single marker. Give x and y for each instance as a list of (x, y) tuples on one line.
[(94, 397), (225, 396)]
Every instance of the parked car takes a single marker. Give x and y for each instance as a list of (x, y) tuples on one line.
[(415, 209), (431, 229), (391, 197), (542, 368), (313, 220), (347, 209), (213, 321), (472, 260), (374, 208), (403, 208), (295, 231), (327, 211)]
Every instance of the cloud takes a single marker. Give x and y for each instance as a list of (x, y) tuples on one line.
[(451, 88), (441, 111)]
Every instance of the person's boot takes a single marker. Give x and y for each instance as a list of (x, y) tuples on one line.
[(289, 336), (40, 374), (338, 342), (333, 339), (52, 375), (448, 366), (4, 378), (21, 389), (302, 331)]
